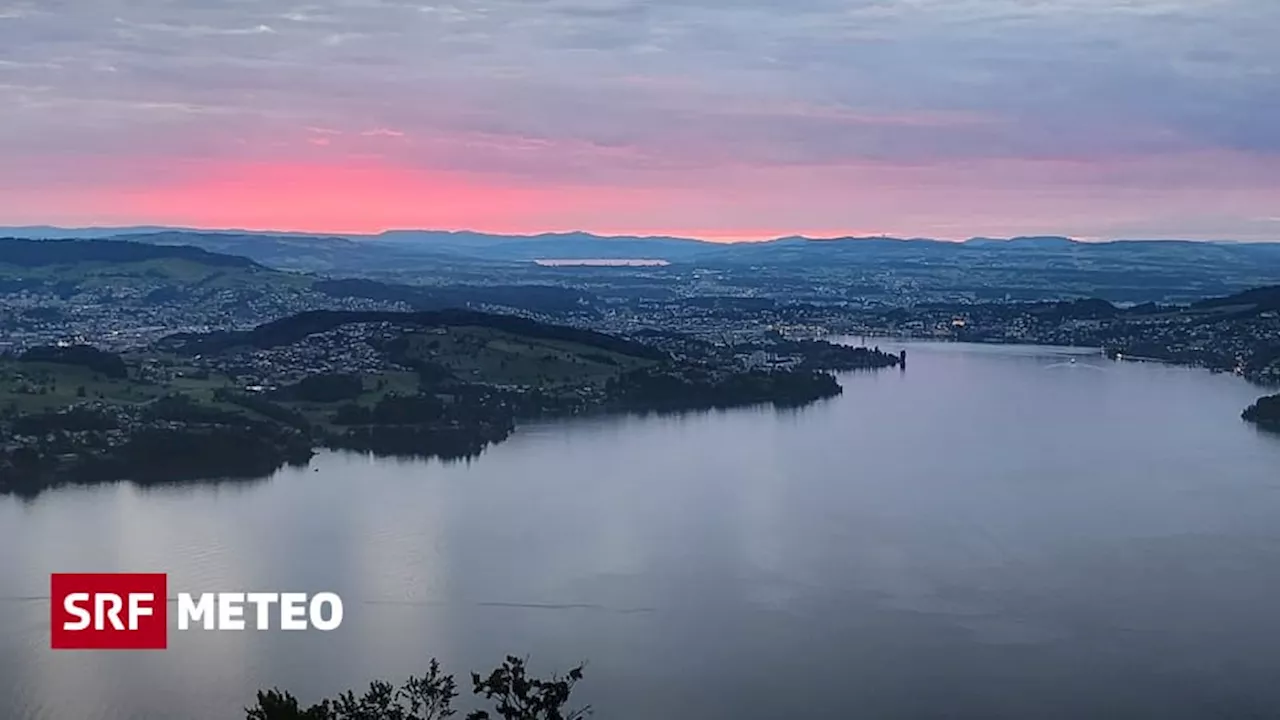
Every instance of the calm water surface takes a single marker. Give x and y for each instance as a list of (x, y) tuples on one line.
[(993, 533)]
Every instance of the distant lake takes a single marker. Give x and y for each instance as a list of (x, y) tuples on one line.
[(601, 262), (996, 532)]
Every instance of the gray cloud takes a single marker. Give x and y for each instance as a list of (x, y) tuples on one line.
[(544, 86)]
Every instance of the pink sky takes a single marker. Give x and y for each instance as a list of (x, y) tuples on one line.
[(928, 118)]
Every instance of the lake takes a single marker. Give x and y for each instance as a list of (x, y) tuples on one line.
[(995, 532)]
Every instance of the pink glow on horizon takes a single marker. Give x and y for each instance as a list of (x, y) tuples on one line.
[(726, 121), (355, 197), (333, 193)]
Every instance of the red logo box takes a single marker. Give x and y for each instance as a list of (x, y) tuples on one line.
[(109, 611)]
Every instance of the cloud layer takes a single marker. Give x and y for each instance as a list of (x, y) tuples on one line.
[(942, 117)]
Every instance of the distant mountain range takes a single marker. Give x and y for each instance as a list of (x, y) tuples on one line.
[(1020, 267), (320, 251), (467, 240)]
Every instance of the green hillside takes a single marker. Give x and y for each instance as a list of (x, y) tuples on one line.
[(438, 384), (504, 357), (68, 266)]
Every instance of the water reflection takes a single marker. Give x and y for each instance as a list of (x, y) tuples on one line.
[(27, 495), (976, 537)]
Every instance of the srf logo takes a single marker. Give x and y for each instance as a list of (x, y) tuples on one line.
[(109, 611), (130, 611)]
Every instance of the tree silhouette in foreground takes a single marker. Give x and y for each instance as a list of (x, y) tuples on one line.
[(430, 697)]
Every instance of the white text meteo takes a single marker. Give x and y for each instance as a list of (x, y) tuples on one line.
[(259, 611)]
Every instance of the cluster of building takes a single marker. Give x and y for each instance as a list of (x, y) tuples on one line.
[(1247, 345), (120, 318), (352, 348), (66, 445)]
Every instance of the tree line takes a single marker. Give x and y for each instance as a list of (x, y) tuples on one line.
[(509, 691)]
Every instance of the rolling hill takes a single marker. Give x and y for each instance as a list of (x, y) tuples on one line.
[(298, 327), (167, 270), (69, 266), (310, 253), (1020, 268)]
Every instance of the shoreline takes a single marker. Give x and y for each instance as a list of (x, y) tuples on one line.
[(1064, 349), (410, 441)]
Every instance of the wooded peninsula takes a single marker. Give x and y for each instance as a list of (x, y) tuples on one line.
[(441, 384)]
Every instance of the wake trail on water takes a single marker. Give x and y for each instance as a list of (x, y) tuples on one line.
[(1073, 366)]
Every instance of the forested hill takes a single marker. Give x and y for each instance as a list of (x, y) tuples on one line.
[(297, 327), (195, 279), (534, 298), (43, 253), (1263, 298), (1265, 413)]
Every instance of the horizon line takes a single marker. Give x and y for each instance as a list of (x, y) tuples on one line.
[(715, 238)]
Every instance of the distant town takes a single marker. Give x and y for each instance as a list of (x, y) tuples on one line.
[(120, 318), (112, 351)]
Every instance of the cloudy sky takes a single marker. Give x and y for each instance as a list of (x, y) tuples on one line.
[(715, 118)]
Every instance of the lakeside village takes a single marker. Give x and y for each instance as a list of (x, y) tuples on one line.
[(128, 319), (357, 348), (118, 404), (74, 413), (125, 318), (1247, 346)]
